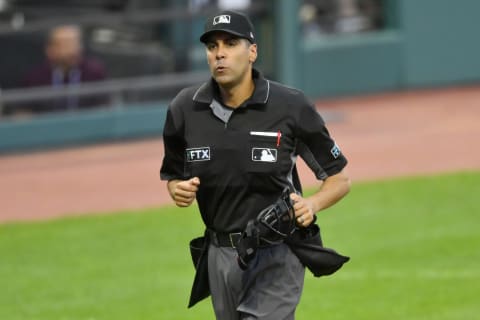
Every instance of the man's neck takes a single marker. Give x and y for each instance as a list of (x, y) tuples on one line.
[(234, 96)]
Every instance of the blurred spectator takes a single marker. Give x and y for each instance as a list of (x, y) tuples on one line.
[(320, 17), (233, 4), (65, 65), (350, 19), (196, 5), (311, 23)]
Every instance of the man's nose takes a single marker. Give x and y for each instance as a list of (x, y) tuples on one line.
[(220, 51)]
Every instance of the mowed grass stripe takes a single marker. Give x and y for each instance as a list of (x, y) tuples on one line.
[(413, 243)]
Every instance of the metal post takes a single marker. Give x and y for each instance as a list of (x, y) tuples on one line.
[(287, 39)]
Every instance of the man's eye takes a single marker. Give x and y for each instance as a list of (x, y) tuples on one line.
[(232, 42)]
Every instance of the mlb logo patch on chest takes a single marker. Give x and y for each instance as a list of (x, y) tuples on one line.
[(264, 154), (198, 154)]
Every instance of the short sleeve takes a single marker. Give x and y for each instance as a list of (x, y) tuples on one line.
[(315, 145), (174, 147)]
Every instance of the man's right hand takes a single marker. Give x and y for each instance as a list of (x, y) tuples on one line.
[(183, 192)]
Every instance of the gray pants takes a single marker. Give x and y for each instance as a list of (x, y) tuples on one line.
[(269, 289)]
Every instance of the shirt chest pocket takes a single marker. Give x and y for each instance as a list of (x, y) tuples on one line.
[(263, 152)]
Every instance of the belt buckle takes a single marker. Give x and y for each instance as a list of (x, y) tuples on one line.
[(231, 236)]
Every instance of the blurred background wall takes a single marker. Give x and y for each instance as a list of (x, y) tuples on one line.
[(149, 49)]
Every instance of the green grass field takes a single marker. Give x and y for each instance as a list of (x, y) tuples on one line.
[(414, 245)]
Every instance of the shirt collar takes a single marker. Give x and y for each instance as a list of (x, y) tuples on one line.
[(209, 90)]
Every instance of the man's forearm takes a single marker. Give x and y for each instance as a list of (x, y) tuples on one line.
[(332, 190)]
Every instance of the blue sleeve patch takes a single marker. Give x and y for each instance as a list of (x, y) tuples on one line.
[(335, 151)]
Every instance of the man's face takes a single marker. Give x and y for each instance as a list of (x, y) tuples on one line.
[(229, 58), (64, 48)]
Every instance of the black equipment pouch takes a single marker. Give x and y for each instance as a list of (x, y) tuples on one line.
[(247, 245), (199, 252), (307, 245)]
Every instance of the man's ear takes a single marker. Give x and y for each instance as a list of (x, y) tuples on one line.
[(253, 52)]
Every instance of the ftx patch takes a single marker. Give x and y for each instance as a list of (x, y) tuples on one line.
[(198, 154)]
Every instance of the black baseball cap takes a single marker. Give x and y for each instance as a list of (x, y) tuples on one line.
[(232, 22)]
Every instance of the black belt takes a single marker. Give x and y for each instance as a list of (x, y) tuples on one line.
[(223, 239)]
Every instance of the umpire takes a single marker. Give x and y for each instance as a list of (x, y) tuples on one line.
[(231, 143)]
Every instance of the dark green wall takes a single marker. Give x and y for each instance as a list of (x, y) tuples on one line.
[(351, 64), (84, 127), (441, 41)]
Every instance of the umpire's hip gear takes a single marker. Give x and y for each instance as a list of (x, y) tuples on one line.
[(276, 224), (273, 225)]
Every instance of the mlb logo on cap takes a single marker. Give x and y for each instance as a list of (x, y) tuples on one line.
[(235, 23), (221, 19)]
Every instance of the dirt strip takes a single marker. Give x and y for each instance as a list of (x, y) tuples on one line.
[(388, 135)]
